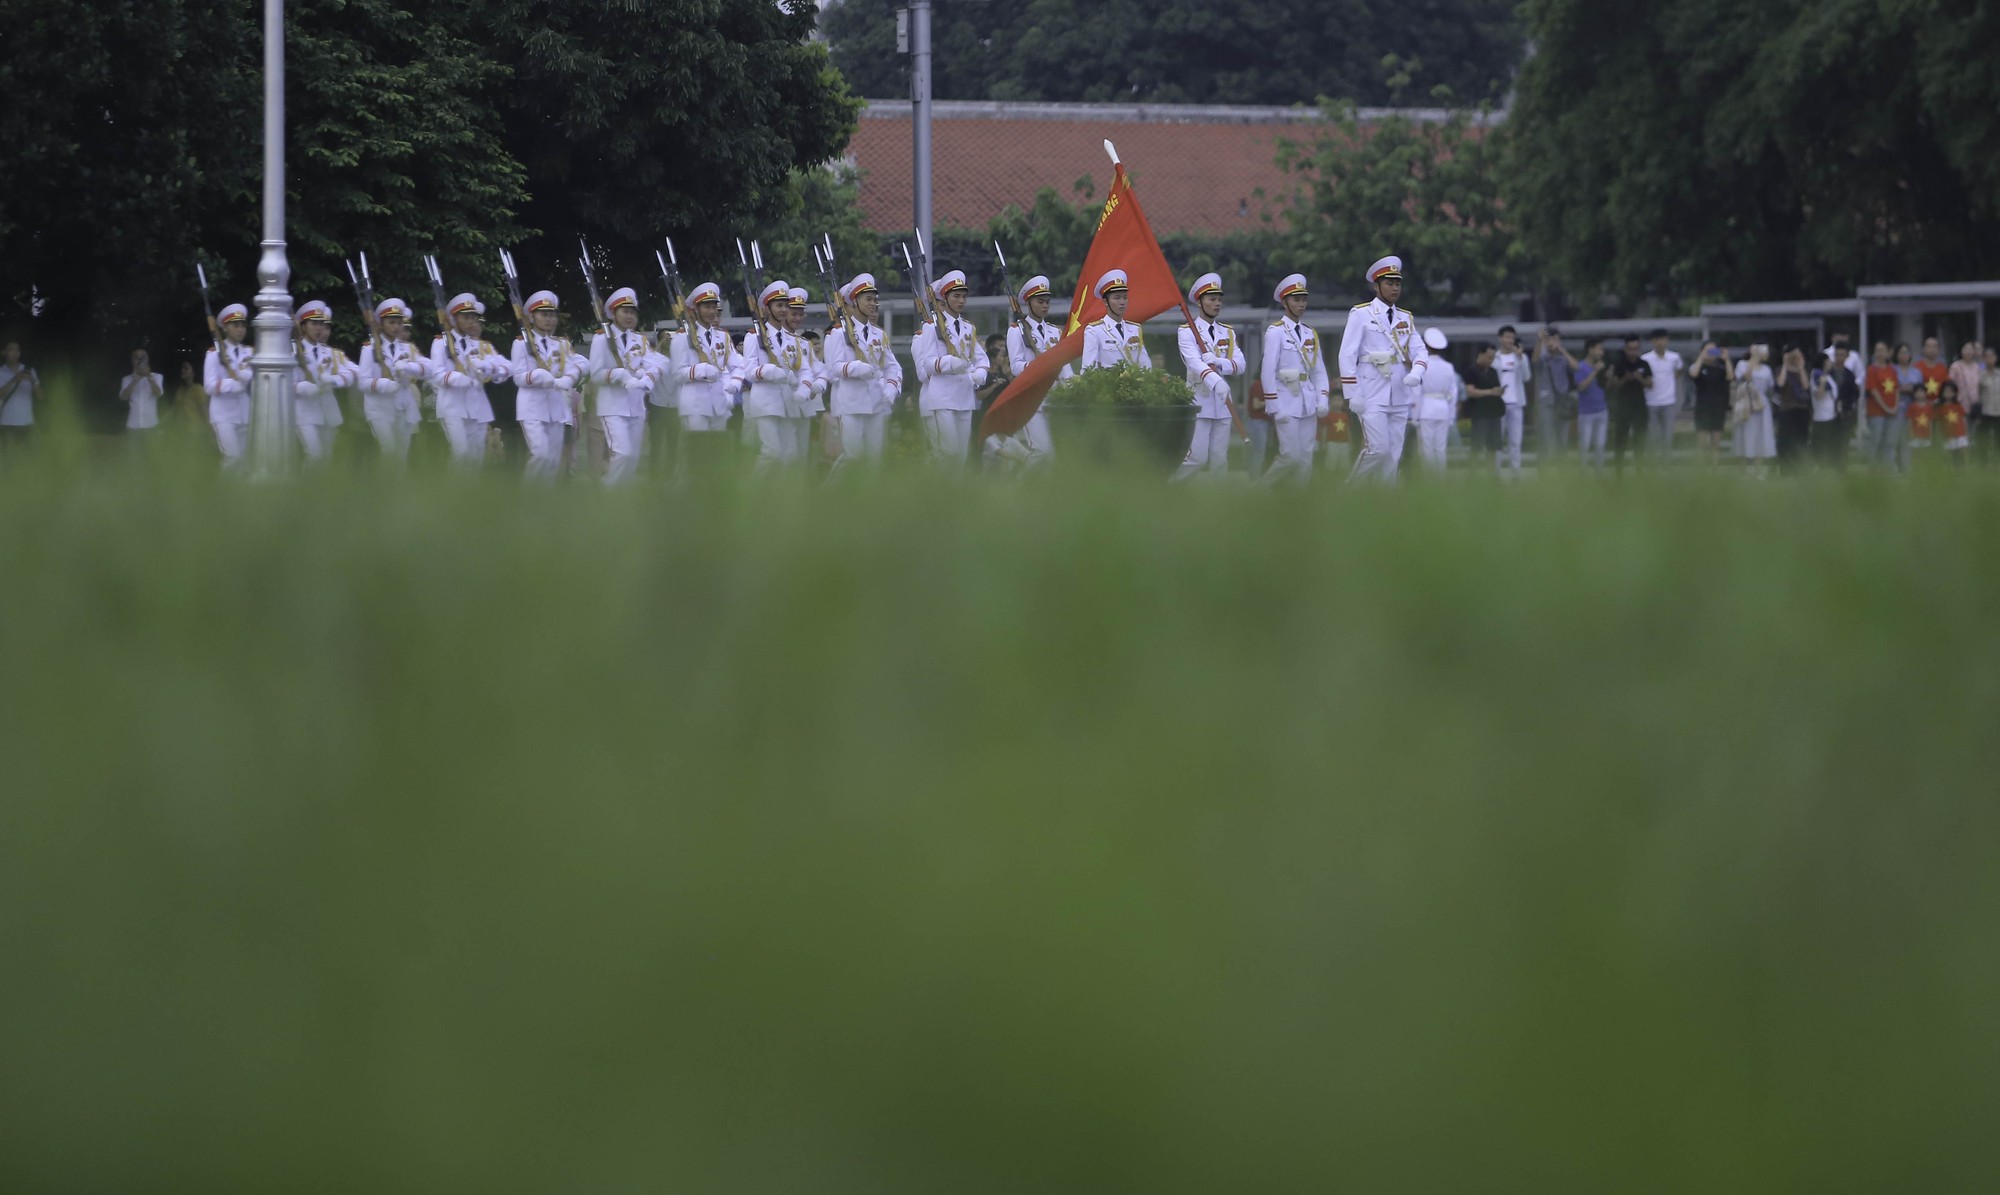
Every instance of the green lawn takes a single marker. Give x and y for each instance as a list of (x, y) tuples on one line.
[(375, 836)]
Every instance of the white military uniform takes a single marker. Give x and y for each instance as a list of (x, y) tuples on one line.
[(625, 370), (951, 367), (812, 384), (771, 381), (323, 371), (1112, 341), (227, 380), (864, 381), (707, 370), (1437, 404), (1382, 364), (546, 372), (460, 367), (389, 386), (1211, 361), (1296, 390), (1027, 339)]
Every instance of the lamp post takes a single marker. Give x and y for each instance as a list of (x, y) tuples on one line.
[(920, 114), (272, 399)]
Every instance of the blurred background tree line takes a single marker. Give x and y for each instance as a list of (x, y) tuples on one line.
[(1691, 150)]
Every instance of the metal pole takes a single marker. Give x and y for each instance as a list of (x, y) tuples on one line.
[(272, 411), (920, 113)]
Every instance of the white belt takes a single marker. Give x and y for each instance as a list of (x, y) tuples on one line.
[(1382, 361)]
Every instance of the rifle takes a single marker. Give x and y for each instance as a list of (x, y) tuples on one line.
[(597, 307), (920, 282), (214, 329), (1014, 302), (670, 273), (520, 312), (750, 297), (364, 297), (444, 319)]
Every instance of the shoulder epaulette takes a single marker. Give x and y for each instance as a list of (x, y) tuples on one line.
[(1359, 306)]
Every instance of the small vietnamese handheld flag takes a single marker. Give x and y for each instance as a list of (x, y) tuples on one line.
[(1124, 241)]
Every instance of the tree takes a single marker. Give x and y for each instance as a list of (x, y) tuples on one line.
[(1756, 148), (1427, 192), (1178, 51)]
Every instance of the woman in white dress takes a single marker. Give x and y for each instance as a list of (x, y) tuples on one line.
[(1756, 438)]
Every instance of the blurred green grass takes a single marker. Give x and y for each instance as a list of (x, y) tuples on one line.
[(434, 835)]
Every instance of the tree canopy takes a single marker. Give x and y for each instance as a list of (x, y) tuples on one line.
[(1756, 148), (1182, 51), (133, 138)]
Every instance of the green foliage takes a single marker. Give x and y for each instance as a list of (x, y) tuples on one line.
[(1426, 191), (1757, 149), (818, 202), (1178, 51), (1123, 385), (441, 836)]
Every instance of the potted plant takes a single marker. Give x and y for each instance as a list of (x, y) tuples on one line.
[(1124, 413)]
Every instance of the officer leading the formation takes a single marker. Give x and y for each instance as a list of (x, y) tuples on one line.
[(1382, 364)]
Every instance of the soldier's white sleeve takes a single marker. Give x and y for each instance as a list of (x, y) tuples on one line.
[(603, 364), (1325, 387), (212, 376), (1145, 358), (1092, 336), (1267, 377), (982, 365), (1018, 355), (1350, 347), (925, 350), (572, 363), (521, 363), (1191, 356), (892, 365), (683, 358), (1420, 353)]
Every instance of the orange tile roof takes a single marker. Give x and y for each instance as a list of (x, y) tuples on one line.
[(1198, 169)]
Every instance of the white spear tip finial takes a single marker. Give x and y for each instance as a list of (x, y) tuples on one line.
[(1113, 151)]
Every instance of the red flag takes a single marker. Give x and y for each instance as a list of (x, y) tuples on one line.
[(1124, 241)]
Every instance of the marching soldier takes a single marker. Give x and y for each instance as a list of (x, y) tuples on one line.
[(225, 374), (1111, 341), (1382, 364), (773, 370), (389, 385), (812, 375), (865, 378), (626, 372), (546, 371), (663, 417), (1295, 384), (706, 369), (1028, 339), (462, 362), (951, 367), (1211, 361), (323, 370)]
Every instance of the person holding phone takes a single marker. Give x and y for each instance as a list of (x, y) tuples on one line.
[(20, 386), (141, 391), (1710, 372)]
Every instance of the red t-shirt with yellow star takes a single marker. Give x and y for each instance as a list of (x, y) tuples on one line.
[(1951, 416), (1936, 374), (1882, 390), (1921, 418)]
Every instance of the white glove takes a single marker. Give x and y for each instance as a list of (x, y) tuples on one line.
[(411, 369), (1291, 377), (890, 391), (621, 376), (565, 382), (384, 385), (859, 371), (230, 386), (732, 385), (460, 381), (1211, 360), (1352, 394), (803, 391), (306, 389), (704, 372), (1218, 389), (541, 378), (950, 364), (773, 373)]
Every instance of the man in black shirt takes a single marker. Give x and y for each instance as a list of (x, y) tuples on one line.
[(1485, 403), (1626, 378)]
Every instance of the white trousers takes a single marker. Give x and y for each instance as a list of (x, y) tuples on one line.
[(1433, 441), (317, 440), (232, 439), (776, 442), (545, 447), (950, 435), (1509, 456), (392, 432), (1208, 451), (624, 437), (1383, 428), (860, 442), (1296, 438), (704, 423), (467, 438)]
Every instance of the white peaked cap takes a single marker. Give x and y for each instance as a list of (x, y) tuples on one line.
[(542, 300), (1290, 284), (624, 296), (1385, 267), (1038, 285), (1203, 285), (392, 307), (707, 292), (861, 284), (1434, 337), (314, 310), (799, 296), (234, 311), (955, 280), (465, 302), (1112, 280), (772, 293)]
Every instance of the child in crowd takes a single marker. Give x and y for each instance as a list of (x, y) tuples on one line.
[(1952, 424), (1922, 417)]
